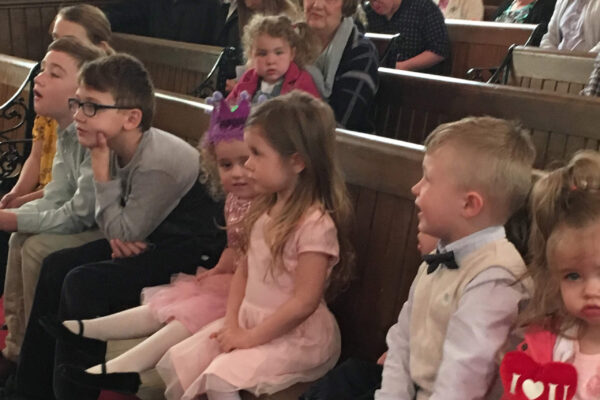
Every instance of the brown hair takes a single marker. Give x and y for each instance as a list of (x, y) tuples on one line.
[(209, 171), (269, 7), (568, 197), (299, 36), (496, 158), (91, 18), (298, 123), (126, 78), (350, 7), (73, 47)]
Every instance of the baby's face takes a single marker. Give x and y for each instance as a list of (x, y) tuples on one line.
[(271, 57), (575, 261)]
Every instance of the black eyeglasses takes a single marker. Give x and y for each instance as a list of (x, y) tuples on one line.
[(90, 109)]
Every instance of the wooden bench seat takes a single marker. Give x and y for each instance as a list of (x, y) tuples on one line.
[(549, 70), (174, 66), (179, 67), (474, 43), (379, 172), (409, 105)]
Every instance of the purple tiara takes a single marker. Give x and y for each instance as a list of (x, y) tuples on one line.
[(227, 123)]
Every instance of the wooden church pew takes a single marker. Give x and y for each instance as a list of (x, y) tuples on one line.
[(474, 44), (384, 234), (174, 66), (549, 70), (410, 104), (179, 67)]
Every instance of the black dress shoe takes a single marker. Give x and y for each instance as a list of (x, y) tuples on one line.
[(56, 329), (122, 382)]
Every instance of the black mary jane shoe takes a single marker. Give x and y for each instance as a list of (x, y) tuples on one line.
[(57, 330), (122, 382)]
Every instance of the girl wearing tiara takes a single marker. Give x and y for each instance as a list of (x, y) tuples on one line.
[(174, 312), (277, 330), (563, 316), (278, 50)]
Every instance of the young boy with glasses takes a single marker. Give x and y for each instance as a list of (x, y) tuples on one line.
[(156, 217)]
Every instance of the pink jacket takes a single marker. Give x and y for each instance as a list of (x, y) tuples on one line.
[(295, 78), (539, 345)]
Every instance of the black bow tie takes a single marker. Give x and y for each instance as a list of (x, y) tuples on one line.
[(434, 261)]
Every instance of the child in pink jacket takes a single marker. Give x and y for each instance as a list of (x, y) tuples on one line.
[(278, 50)]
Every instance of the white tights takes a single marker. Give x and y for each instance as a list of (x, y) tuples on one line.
[(133, 323), (226, 390)]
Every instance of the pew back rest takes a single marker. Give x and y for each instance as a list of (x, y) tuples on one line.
[(13, 71), (549, 70), (379, 172), (409, 105), (474, 43), (174, 66)]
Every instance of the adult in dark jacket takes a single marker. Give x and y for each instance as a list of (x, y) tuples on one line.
[(194, 21), (346, 70)]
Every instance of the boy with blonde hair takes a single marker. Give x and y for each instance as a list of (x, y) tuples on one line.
[(465, 297)]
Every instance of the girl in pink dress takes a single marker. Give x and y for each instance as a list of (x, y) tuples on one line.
[(277, 330), (560, 357), (174, 312)]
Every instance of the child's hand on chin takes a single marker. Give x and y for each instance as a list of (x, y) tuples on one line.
[(100, 154), (233, 337)]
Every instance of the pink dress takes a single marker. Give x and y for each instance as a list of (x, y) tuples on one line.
[(306, 353), (588, 375), (196, 303)]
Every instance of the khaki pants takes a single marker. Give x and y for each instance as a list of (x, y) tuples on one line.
[(25, 255)]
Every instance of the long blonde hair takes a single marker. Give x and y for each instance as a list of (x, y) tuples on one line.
[(568, 197), (299, 36), (298, 123)]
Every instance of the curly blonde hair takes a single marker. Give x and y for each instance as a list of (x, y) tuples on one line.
[(568, 197), (209, 171), (290, 8), (299, 36)]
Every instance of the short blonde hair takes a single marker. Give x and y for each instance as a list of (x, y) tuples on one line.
[(496, 159)]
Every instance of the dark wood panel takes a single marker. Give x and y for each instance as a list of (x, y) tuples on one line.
[(555, 118), (5, 36), (174, 66), (24, 25)]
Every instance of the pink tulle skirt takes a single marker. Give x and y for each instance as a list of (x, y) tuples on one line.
[(193, 303)]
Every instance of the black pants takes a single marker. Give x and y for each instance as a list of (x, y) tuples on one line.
[(351, 380), (83, 283)]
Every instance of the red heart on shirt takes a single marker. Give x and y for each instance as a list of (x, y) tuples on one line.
[(525, 379)]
